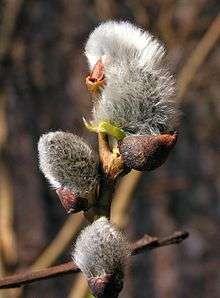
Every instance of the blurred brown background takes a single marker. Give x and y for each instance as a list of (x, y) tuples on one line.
[(42, 74)]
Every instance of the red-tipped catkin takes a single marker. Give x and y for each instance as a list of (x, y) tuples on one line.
[(71, 167), (101, 251)]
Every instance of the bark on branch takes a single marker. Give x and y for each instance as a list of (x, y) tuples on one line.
[(145, 243)]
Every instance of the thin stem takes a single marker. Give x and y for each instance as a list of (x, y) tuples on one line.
[(145, 243), (28, 277), (111, 162), (111, 166)]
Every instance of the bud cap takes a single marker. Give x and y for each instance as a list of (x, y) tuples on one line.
[(146, 152)]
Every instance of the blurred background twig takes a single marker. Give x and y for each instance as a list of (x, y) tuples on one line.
[(198, 56), (10, 11)]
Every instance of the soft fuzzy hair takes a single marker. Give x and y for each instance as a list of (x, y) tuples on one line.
[(138, 96), (67, 160), (101, 249)]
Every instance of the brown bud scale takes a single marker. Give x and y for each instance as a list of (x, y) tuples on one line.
[(106, 286), (146, 152), (70, 201), (96, 79)]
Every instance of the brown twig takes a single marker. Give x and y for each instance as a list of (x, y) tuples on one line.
[(9, 17), (198, 56), (22, 279), (105, 9), (51, 253), (7, 235), (145, 243), (166, 13), (63, 238), (123, 197), (2, 272), (79, 288), (148, 242)]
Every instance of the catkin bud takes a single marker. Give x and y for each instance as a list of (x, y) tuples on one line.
[(146, 152), (138, 92), (100, 252), (71, 167)]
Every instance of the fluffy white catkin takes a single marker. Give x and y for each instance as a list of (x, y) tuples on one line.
[(66, 160), (101, 249), (139, 90)]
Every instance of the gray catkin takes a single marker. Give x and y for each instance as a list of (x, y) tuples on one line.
[(67, 160), (101, 249), (139, 91)]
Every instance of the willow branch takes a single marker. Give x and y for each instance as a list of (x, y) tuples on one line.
[(28, 277), (145, 243)]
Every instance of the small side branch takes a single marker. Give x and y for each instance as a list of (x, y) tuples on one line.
[(145, 243)]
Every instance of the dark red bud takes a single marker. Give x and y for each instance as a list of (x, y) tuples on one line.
[(106, 286), (146, 152), (70, 201)]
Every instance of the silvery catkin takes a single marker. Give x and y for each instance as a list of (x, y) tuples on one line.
[(139, 90), (101, 249), (67, 161)]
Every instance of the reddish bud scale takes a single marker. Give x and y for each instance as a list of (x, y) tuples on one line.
[(70, 201), (96, 79), (146, 152), (106, 286)]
